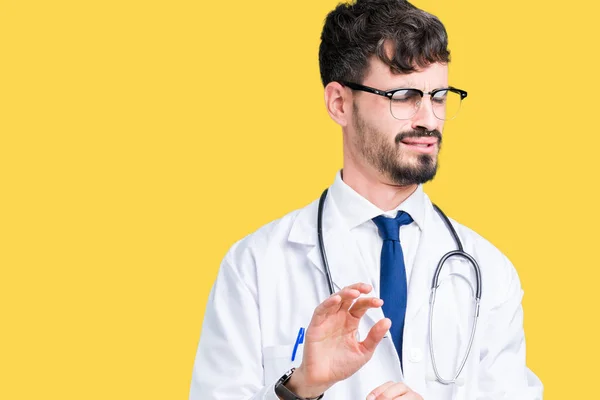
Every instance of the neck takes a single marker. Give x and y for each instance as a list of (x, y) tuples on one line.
[(373, 187)]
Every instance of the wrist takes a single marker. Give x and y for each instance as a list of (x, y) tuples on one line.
[(303, 387)]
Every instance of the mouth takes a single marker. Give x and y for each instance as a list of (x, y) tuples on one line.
[(421, 145)]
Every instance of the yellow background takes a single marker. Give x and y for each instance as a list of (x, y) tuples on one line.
[(140, 139)]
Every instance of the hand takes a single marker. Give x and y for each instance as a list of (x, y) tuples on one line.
[(392, 391), (331, 351)]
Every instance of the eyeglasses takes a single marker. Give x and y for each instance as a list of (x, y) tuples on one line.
[(405, 102)]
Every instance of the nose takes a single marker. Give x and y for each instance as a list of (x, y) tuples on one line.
[(424, 118)]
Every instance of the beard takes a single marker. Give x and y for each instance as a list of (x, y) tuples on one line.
[(389, 159)]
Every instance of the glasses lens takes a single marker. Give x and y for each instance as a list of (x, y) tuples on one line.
[(405, 103), (446, 104)]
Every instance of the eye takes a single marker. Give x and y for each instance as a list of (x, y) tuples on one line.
[(406, 96), (440, 97)]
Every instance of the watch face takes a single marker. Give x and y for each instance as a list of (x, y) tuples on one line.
[(286, 377), (284, 392), (281, 390)]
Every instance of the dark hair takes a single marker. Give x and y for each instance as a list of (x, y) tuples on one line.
[(354, 32)]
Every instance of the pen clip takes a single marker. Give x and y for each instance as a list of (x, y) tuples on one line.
[(299, 340)]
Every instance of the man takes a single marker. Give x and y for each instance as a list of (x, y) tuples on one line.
[(384, 66)]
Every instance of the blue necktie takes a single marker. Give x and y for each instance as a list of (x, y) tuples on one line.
[(393, 286)]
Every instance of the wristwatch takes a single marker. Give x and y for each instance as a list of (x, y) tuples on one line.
[(287, 394)]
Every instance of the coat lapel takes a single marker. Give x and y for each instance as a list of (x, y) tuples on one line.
[(435, 241), (346, 264)]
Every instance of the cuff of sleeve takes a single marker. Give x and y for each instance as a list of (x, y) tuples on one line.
[(270, 393)]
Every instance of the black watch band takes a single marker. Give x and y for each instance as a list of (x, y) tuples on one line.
[(287, 394)]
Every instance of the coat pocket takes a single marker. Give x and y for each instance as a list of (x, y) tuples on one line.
[(277, 360)]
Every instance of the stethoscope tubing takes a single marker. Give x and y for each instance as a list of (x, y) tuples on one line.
[(434, 283)]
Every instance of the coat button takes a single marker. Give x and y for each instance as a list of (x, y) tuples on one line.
[(415, 355)]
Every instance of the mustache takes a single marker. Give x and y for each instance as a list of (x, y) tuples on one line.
[(418, 133)]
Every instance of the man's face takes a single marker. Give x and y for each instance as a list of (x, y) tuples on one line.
[(403, 152)]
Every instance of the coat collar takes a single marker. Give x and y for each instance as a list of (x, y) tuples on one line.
[(352, 210), (356, 210)]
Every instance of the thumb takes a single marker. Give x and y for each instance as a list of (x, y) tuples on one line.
[(375, 335)]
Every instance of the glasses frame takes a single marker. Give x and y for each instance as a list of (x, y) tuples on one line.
[(389, 93)]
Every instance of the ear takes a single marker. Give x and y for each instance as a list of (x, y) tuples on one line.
[(338, 102)]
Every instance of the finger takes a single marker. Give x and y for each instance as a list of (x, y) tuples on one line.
[(360, 288), (334, 302), (375, 335), (397, 389), (378, 390), (349, 296), (330, 305), (361, 305), (364, 288)]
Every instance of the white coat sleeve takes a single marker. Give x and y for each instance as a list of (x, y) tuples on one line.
[(228, 363), (503, 370)]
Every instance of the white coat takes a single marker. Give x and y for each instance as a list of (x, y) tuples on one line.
[(271, 281)]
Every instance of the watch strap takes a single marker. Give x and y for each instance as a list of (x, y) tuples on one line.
[(286, 394)]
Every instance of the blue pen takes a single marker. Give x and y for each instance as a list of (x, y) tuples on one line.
[(299, 340)]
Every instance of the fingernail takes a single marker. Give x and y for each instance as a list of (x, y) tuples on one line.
[(371, 397)]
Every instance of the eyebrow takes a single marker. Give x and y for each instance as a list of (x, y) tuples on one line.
[(405, 85)]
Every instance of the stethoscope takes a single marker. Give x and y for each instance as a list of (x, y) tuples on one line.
[(434, 284)]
